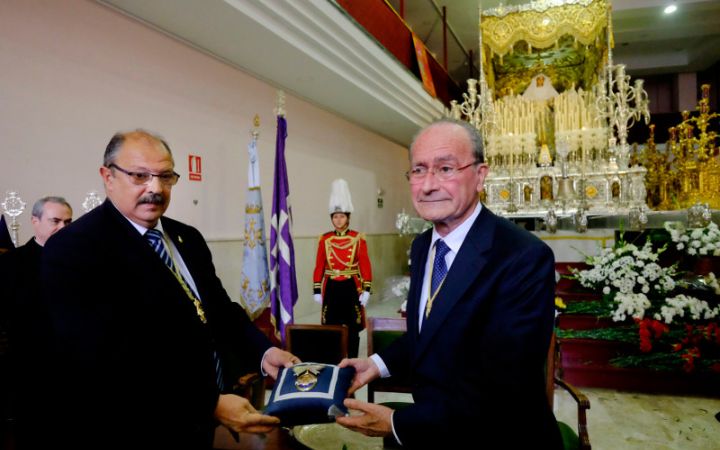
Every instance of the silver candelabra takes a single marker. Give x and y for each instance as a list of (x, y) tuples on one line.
[(13, 206), (622, 104)]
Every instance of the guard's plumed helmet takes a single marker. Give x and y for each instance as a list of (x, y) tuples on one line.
[(340, 200)]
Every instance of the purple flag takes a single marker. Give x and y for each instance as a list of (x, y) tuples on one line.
[(6, 242), (283, 284)]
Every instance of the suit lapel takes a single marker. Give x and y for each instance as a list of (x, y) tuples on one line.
[(134, 248), (469, 262), (417, 272), (173, 232)]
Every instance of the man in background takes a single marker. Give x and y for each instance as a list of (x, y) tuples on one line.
[(479, 317), (23, 318), (147, 342)]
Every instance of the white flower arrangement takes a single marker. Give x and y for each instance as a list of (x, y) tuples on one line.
[(397, 288), (401, 287), (712, 282), (695, 241), (677, 306), (638, 286)]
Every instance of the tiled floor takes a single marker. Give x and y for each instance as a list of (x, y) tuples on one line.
[(622, 420), (616, 420)]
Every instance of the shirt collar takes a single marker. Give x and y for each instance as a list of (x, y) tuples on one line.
[(455, 238), (141, 229)]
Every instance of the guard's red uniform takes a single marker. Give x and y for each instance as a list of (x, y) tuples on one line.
[(342, 272), (342, 255)]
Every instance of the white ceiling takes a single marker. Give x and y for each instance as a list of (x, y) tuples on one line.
[(309, 48), (313, 50)]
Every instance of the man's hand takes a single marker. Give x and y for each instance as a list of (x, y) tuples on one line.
[(365, 372), (317, 298), (364, 297), (275, 359), (238, 414), (376, 420)]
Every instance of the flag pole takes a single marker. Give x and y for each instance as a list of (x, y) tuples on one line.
[(283, 281), (255, 276)]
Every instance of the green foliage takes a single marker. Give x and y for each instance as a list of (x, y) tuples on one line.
[(598, 308), (627, 334), (664, 361), (661, 358)]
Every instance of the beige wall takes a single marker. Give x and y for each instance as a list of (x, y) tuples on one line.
[(73, 72), (387, 255)]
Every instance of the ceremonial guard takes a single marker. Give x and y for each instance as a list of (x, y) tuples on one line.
[(343, 276)]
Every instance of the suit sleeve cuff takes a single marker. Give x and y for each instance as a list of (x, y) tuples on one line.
[(262, 360)]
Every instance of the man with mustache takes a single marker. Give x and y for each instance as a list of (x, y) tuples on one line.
[(147, 342), (480, 315)]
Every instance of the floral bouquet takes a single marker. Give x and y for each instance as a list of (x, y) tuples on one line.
[(665, 317), (634, 284), (396, 288), (695, 241)]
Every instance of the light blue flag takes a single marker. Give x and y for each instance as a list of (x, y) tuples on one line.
[(255, 278)]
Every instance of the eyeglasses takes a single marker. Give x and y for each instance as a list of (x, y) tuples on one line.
[(140, 178), (445, 172)]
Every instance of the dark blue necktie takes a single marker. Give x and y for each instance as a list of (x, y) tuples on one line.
[(438, 273), (155, 238), (439, 266)]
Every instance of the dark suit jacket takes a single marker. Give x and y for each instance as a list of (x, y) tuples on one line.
[(133, 358), (477, 367), (23, 367), (19, 281)]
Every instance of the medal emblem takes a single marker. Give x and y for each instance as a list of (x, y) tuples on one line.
[(306, 376)]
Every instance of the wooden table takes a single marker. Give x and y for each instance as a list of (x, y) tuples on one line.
[(278, 439)]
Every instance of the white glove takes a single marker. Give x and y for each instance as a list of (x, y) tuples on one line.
[(364, 297), (317, 298)]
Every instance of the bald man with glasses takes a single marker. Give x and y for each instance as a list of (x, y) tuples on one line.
[(480, 314), (147, 341)]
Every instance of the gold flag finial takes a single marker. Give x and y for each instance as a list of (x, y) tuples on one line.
[(256, 127), (280, 109)]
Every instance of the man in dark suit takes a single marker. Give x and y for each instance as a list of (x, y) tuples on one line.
[(24, 365), (147, 342), (479, 317)]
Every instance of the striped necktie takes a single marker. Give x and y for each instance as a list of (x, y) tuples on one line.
[(155, 238)]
